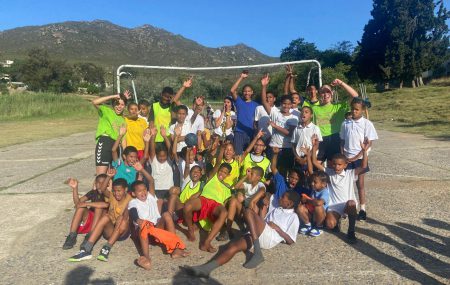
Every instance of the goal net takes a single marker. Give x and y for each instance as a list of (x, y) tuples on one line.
[(214, 83)]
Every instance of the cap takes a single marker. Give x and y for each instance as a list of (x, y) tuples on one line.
[(325, 88)]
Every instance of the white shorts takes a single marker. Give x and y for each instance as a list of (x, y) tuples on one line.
[(338, 208), (269, 238)]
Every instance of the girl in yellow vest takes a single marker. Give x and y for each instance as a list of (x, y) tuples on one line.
[(254, 156)]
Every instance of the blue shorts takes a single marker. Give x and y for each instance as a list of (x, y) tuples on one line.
[(355, 164), (329, 147)]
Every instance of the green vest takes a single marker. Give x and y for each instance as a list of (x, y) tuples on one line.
[(188, 191), (249, 163), (162, 117)]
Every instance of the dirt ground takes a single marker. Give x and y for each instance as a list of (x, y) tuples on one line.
[(406, 238)]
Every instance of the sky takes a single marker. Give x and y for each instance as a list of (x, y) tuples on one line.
[(268, 26)]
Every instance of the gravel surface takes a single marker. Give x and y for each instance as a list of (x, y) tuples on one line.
[(406, 238)]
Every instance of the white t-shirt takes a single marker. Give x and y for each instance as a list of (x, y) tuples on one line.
[(341, 186), (287, 220), (353, 133), (250, 191), (263, 119), (147, 210), (218, 129), (162, 174), (286, 122), (185, 129), (297, 113), (181, 166), (198, 124), (302, 137)]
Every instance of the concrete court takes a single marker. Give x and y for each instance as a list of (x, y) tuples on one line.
[(406, 239)]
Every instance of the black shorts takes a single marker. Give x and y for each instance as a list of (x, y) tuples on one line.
[(355, 164), (329, 147), (103, 151)]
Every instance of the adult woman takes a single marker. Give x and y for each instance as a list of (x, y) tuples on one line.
[(110, 120)]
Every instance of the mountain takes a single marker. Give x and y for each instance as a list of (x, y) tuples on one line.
[(108, 45)]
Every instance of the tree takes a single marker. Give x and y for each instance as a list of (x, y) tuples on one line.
[(90, 73), (41, 73), (404, 39), (299, 50)]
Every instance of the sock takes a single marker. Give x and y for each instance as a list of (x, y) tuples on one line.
[(351, 223), (363, 207), (73, 234), (308, 225), (88, 247), (257, 256), (203, 270)]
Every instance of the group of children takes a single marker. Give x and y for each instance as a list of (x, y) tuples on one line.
[(265, 168)]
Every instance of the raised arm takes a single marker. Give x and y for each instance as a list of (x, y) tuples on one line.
[(252, 144), (146, 137), (73, 183), (308, 161), (218, 161), (315, 162), (163, 133), (352, 92), (109, 175), (122, 132), (235, 86), (264, 82), (98, 101), (152, 146), (365, 145), (186, 84), (187, 163), (151, 183), (287, 80), (176, 135)]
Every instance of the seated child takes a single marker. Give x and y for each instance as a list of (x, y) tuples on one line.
[(210, 205), (314, 207), (280, 225), (192, 187), (253, 191), (256, 157), (124, 165), (114, 224), (87, 213), (148, 221), (233, 160), (354, 131), (342, 194)]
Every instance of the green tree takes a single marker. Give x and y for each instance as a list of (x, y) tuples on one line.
[(299, 50), (90, 73)]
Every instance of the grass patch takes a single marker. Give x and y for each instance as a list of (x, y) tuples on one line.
[(30, 106), (423, 110)]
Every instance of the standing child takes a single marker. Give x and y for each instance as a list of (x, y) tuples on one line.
[(342, 194), (225, 119), (87, 213), (352, 133), (245, 109), (144, 109), (283, 124), (135, 129), (183, 124), (314, 207), (160, 113)]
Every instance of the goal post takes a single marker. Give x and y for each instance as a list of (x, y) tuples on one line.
[(121, 69)]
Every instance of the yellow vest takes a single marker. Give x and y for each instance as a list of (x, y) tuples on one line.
[(233, 178), (249, 163), (188, 191), (162, 118)]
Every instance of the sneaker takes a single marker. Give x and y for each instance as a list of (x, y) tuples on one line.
[(104, 252), (83, 244), (351, 237), (82, 255), (71, 240), (304, 230), (362, 215), (315, 232)]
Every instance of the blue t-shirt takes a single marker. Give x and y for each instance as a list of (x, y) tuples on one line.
[(123, 171), (323, 195), (281, 187), (245, 116)]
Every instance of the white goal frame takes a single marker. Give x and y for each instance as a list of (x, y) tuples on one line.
[(119, 72)]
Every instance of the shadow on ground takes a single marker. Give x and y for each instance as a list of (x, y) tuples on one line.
[(81, 276)]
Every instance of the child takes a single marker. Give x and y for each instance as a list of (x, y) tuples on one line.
[(135, 129), (253, 192), (210, 204), (255, 158), (316, 206), (162, 165), (352, 133), (160, 113), (303, 135), (280, 225), (283, 124), (144, 109), (245, 109), (312, 100), (146, 217), (225, 119), (342, 194), (124, 165), (233, 160), (113, 224), (289, 89), (87, 213), (262, 119), (183, 124)]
